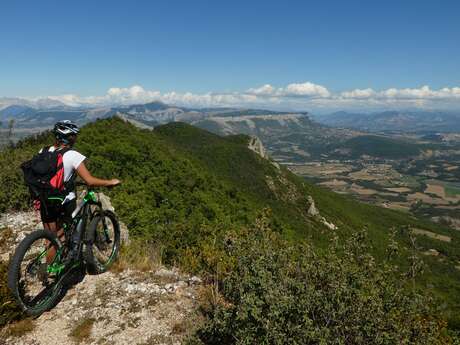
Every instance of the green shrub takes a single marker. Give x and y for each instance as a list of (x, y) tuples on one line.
[(287, 294), (9, 310)]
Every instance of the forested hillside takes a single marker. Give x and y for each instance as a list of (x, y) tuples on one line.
[(218, 208)]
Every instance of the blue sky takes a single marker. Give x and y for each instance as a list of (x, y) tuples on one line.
[(84, 48)]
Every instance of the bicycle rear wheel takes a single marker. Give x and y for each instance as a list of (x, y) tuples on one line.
[(34, 272)]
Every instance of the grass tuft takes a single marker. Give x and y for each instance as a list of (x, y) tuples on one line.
[(140, 254), (20, 328), (82, 330)]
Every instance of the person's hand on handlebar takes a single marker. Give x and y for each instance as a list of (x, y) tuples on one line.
[(113, 182)]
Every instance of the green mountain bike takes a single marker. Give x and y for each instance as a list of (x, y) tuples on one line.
[(42, 265)]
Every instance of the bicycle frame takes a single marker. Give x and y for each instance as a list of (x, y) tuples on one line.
[(81, 214), (80, 217), (89, 199)]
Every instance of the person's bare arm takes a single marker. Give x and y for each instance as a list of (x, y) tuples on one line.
[(90, 180)]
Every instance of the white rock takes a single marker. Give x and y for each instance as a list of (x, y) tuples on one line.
[(181, 283), (163, 272), (195, 280), (107, 205), (312, 210), (20, 237), (331, 226), (255, 144), (431, 252), (169, 287)]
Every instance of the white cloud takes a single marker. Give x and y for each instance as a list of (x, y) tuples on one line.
[(359, 93), (296, 96), (264, 90), (132, 94), (306, 89), (69, 99), (424, 93)]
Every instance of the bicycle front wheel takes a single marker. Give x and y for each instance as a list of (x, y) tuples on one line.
[(103, 242), (33, 274)]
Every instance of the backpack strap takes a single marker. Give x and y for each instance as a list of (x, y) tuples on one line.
[(62, 152), (45, 149), (70, 184)]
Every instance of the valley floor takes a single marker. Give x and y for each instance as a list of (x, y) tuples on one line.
[(425, 194)]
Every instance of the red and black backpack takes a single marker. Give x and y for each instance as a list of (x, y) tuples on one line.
[(44, 174)]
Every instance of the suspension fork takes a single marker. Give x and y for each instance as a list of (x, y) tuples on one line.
[(106, 230)]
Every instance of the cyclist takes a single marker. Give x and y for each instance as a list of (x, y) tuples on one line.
[(53, 210)]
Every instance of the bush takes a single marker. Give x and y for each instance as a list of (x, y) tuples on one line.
[(9, 310), (285, 294)]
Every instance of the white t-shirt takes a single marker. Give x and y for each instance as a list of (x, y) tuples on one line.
[(71, 161)]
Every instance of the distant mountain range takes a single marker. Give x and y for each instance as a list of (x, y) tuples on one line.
[(290, 137), (279, 131), (397, 121), (41, 103), (151, 114), (44, 112)]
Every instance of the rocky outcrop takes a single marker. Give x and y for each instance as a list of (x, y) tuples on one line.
[(107, 205), (287, 191), (431, 252), (329, 225), (283, 188), (255, 144), (134, 122), (313, 212)]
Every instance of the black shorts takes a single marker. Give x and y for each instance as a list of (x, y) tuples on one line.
[(52, 210)]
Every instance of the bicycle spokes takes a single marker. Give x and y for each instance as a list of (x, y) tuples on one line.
[(37, 275), (104, 239)]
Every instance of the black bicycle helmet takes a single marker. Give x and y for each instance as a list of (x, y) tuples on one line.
[(64, 129)]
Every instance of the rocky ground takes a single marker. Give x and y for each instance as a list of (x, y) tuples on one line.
[(123, 306)]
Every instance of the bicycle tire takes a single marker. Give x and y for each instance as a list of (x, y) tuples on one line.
[(93, 264), (53, 292)]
